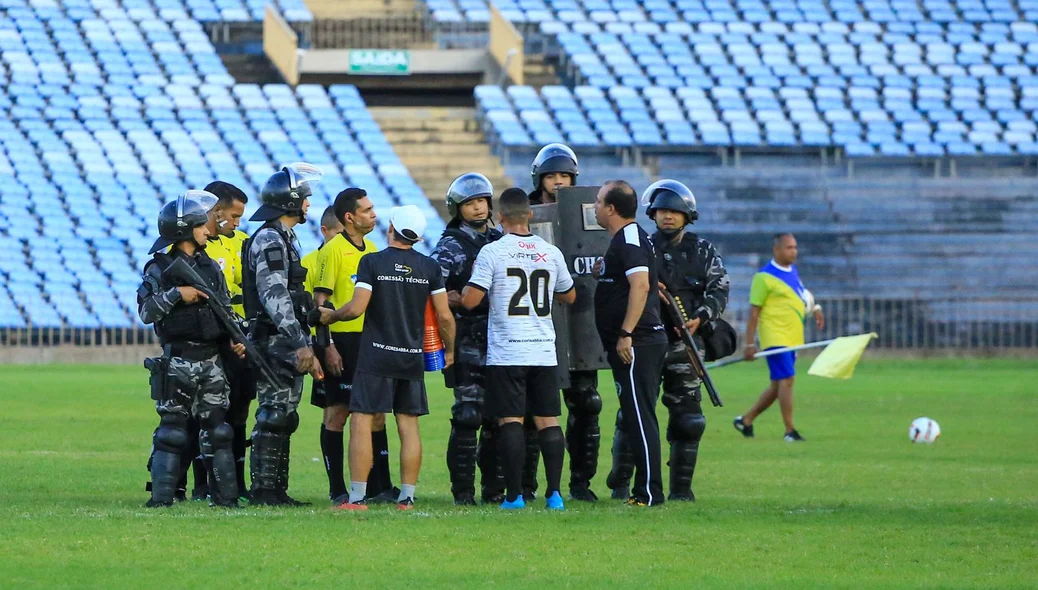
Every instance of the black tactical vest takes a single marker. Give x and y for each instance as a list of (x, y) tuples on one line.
[(193, 322), (681, 270), (470, 248), (302, 301)]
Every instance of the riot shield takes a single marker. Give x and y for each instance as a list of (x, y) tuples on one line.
[(570, 224)]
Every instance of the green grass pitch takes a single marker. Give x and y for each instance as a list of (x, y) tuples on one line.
[(856, 506)]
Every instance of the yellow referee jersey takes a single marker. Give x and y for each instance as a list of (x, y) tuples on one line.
[(309, 262), (337, 274), (226, 251)]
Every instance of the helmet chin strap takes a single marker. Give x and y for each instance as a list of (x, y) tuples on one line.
[(476, 223), (670, 234)]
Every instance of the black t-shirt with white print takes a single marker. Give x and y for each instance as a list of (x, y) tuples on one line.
[(400, 281), (630, 251)]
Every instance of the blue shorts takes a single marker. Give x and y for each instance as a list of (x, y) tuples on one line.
[(781, 366)]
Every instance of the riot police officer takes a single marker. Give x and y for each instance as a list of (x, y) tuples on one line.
[(469, 201), (691, 269), (555, 167), (188, 380), (276, 306)]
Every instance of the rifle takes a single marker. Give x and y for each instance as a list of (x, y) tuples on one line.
[(678, 315), (181, 272)]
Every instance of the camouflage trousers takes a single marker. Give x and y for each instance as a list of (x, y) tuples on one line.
[(198, 389), (682, 391), (195, 388), (282, 358), (276, 421)]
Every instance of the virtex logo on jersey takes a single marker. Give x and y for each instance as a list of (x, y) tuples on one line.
[(534, 256)]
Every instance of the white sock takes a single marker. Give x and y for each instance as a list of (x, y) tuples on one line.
[(358, 489), (406, 491)]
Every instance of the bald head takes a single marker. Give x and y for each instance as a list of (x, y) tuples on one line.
[(784, 248)]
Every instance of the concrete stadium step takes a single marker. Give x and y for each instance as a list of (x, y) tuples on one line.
[(437, 144), (537, 72)]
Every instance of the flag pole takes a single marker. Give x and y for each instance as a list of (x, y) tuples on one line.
[(767, 353)]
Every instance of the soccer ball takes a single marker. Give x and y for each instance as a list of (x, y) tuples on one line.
[(924, 430)]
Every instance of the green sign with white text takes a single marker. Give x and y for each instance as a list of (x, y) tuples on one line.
[(380, 62)]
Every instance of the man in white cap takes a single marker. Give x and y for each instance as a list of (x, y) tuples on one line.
[(392, 289)]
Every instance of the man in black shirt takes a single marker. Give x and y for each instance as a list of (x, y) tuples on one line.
[(392, 289), (627, 315)]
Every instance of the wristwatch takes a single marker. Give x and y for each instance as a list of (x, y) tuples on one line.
[(625, 334)]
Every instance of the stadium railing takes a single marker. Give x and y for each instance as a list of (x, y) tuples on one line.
[(968, 326), (971, 325)]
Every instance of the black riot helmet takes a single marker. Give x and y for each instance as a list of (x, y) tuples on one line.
[(178, 219), (285, 191), (554, 157), (672, 195), (466, 187)]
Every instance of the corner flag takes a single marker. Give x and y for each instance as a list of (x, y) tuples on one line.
[(838, 359)]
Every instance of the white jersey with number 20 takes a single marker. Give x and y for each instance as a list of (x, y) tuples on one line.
[(521, 274)]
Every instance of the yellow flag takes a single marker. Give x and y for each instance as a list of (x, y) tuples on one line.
[(838, 359)]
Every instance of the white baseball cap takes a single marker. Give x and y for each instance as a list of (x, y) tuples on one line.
[(408, 221)]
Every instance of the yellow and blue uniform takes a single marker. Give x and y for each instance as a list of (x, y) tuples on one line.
[(226, 252), (337, 274), (778, 292)]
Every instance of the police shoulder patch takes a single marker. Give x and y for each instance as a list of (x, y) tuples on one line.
[(275, 258)]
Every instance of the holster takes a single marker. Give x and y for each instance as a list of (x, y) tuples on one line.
[(449, 379), (719, 339), (158, 366)]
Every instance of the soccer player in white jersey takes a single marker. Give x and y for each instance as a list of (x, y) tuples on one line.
[(522, 272)]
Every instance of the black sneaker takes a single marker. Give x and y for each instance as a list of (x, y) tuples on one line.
[(265, 498), (464, 500), (793, 436), (529, 496), (157, 504), (200, 494), (621, 494), (385, 497), (493, 498), (689, 497), (746, 430), (286, 500), (582, 494)]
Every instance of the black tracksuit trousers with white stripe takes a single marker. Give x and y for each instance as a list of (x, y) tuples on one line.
[(638, 386)]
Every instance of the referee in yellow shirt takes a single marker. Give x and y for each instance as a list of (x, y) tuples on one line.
[(224, 248), (779, 306), (330, 227), (336, 276)]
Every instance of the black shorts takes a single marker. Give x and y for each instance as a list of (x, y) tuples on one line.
[(375, 394), (336, 390), (517, 392)]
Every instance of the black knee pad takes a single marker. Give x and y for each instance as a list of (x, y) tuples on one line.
[(221, 435), (213, 419), (271, 419), (467, 415), (292, 422), (171, 435), (584, 403), (592, 403), (687, 427)]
